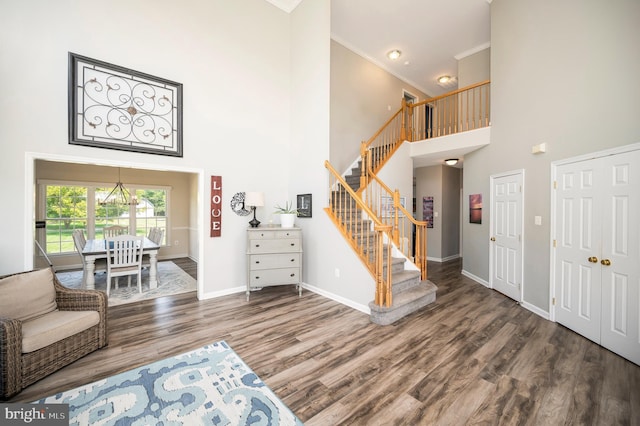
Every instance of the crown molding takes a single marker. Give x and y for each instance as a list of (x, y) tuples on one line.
[(473, 50)]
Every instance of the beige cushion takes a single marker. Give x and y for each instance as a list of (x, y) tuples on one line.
[(28, 295), (57, 325)]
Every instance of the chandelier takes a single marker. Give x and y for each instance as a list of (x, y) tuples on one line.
[(119, 196)]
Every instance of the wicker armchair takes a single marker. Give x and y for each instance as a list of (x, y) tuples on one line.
[(22, 362)]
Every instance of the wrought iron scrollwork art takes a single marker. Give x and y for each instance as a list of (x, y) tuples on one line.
[(118, 108)]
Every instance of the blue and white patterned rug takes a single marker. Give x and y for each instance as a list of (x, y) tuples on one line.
[(173, 280), (208, 386)]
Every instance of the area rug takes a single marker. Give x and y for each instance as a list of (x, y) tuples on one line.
[(208, 386), (173, 280)]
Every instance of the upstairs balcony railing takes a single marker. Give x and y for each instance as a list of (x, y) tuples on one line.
[(454, 112)]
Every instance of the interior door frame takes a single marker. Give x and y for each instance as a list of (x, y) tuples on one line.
[(406, 95), (520, 172), (30, 204), (553, 224)]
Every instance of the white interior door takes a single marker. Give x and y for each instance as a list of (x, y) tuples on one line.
[(620, 254), (597, 255), (577, 269), (505, 273)]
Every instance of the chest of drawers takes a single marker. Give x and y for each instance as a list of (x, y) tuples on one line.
[(274, 257)]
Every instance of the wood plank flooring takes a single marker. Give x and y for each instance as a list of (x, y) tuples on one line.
[(473, 357)]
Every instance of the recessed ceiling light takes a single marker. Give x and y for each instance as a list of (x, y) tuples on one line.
[(407, 62), (394, 54), (451, 161)]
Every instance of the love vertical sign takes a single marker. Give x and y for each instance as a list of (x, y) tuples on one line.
[(216, 206)]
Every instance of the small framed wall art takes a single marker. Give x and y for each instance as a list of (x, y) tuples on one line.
[(475, 208), (303, 205), (117, 108)]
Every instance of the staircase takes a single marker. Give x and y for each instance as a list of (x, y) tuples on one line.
[(410, 293)]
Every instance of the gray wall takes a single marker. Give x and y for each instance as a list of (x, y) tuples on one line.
[(451, 183), (474, 68), (363, 98), (563, 73), (443, 184)]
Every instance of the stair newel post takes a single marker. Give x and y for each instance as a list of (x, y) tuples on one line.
[(421, 244)]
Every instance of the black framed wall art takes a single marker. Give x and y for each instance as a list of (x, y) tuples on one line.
[(118, 108), (303, 205)]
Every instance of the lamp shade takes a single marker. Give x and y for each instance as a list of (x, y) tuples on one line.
[(254, 199)]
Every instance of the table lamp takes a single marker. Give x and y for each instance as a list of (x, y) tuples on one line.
[(253, 200)]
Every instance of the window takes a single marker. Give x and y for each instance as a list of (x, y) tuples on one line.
[(151, 211), (66, 210), (108, 215), (70, 207)]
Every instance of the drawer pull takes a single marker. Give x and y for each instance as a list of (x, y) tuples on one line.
[(293, 260), (293, 244), (257, 278), (293, 275), (257, 261), (257, 245)]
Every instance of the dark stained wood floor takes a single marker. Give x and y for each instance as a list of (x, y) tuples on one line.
[(473, 357)]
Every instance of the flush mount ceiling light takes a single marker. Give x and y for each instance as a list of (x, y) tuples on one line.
[(451, 161), (394, 54), (447, 81)]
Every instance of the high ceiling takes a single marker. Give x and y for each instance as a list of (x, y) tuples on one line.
[(431, 34)]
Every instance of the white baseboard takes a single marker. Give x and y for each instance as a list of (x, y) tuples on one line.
[(357, 306), (226, 292), (524, 304), (350, 303), (536, 310), (475, 278), (443, 259)]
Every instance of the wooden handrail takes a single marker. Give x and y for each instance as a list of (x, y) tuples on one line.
[(373, 198), (384, 126), (348, 212), (454, 112), (452, 93)]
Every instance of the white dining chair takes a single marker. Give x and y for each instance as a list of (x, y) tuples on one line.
[(114, 231), (124, 258), (156, 235), (79, 241)]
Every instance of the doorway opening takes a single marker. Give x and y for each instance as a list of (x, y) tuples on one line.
[(191, 237)]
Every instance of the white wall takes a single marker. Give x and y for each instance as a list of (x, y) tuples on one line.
[(233, 58), (567, 78)]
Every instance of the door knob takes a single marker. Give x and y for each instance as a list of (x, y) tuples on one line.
[(493, 238), (593, 259), (605, 262)]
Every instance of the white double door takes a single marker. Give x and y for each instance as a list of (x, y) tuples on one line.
[(597, 253)]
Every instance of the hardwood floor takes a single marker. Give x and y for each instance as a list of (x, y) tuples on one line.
[(472, 357)]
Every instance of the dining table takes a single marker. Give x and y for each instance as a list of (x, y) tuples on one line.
[(97, 249)]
